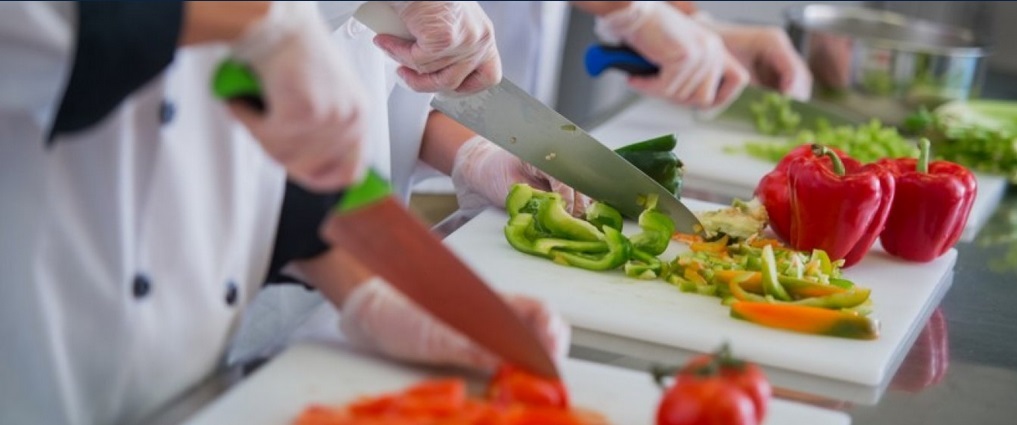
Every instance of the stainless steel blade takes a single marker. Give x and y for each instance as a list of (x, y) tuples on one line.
[(739, 112), (511, 118)]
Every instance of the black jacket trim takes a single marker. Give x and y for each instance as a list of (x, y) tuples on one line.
[(120, 47), (297, 236)]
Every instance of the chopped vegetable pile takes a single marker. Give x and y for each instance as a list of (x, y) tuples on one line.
[(981, 135), (978, 134), (802, 291)]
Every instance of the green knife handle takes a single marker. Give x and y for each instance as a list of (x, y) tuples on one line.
[(235, 80)]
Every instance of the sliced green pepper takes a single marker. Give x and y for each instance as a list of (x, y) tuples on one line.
[(846, 299), (618, 251), (657, 229), (553, 217), (601, 214), (643, 265), (545, 245), (516, 233)]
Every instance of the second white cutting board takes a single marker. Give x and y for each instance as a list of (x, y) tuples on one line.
[(709, 169), (329, 375), (655, 312)]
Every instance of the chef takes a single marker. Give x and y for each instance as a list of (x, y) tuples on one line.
[(422, 143), (139, 214)]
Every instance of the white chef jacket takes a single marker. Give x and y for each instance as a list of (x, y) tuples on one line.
[(127, 249)]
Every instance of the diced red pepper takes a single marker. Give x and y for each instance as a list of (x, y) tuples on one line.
[(930, 208), (835, 208)]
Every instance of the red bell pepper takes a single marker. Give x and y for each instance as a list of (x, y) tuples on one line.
[(773, 191), (837, 210), (931, 206)]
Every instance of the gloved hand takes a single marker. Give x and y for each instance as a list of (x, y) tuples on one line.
[(454, 50), (695, 69), (316, 112), (768, 54), (377, 317), (483, 173)]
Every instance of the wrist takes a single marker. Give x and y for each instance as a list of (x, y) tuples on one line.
[(220, 21), (618, 24), (280, 22)]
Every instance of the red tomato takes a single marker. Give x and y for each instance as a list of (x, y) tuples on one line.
[(705, 401), (716, 389), (511, 385)]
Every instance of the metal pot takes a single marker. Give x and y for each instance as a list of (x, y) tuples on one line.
[(883, 64)]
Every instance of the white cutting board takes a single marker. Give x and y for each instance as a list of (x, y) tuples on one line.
[(332, 375), (655, 312), (709, 169)]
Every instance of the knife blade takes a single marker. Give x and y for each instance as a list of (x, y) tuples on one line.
[(599, 58), (386, 238), (537, 134)]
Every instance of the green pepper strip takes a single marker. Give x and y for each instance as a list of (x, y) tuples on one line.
[(618, 251), (517, 198), (516, 233), (601, 214), (735, 286), (643, 265), (553, 217), (545, 245), (771, 283), (847, 299), (657, 229)]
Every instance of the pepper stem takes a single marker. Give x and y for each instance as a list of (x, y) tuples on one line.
[(820, 150), (923, 155)]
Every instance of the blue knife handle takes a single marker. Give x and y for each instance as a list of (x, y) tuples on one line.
[(600, 58)]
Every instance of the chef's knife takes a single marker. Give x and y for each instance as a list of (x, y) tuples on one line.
[(522, 125), (599, 58), (387, 239)]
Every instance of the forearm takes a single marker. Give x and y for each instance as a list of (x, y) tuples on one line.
[(442, 138), (211, 21), (687, 7)]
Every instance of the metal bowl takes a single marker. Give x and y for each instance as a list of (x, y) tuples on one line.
[(883, 64)]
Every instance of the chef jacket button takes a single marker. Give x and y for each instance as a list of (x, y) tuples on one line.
[(167, 110), (231, 293), (141, 286)]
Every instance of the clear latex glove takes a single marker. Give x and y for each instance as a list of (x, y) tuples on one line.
[(378, 317), (483, 173), (768, 54), (454, 50), (695, 69), (315, 119)]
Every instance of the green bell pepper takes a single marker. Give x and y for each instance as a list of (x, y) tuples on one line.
[(517, 232), (657, 159), (643, 265)]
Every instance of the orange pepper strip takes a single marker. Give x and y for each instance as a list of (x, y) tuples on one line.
[(753, 283), (687, 238), (811, 320), (718, 246)]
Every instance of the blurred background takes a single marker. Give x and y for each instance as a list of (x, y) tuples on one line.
[(588, 101)]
